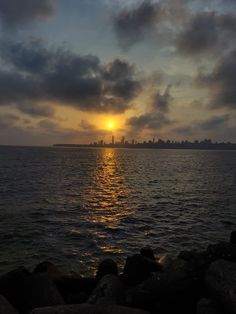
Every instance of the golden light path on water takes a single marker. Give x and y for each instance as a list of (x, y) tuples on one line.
[(107, 196)]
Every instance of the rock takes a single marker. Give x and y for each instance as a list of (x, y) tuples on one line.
[(147, 252), (138, 297), (165, 262), (196, 263), (138, 268), (223, 250), (6, 307), (77, 298), (233, 237), (192, 255), (88, 309), (41, 291), (108, 291), (75, 290), (12, 287), (49, 268), (207, 306), (221, 283), (176, 289), (107, 266)]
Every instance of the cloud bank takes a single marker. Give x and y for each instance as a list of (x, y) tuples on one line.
[(34, 74), (19, 12), (157, 116)]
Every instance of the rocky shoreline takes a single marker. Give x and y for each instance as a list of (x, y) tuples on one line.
[(194, 282)]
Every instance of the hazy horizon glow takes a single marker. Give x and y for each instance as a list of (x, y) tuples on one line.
[(79, 71)]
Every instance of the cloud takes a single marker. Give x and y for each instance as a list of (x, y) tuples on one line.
[(19, 12), (36, 74), (161, 102), (48, 125), (156, 117), (8, 120), (221, 82), (156, 21), (132, 25), (212, 124), (27, 57), (36, 110), (148, 121), (85, 125), (206, 32), (179, 24)]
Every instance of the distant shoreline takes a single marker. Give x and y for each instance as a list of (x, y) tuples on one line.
[(197, 146)]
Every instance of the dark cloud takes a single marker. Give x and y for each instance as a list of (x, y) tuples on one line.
[(118, 70), (85, 125), (148, 121), (120, 74), (48, 124), (7, 120), (23, 93), (221, 82), (132, 25), (53, 130), (184, 130), (213, 123), (32, 57), (16, 12), (179, 23), (207, 32), (157, 117), (35, 74), (161, 102), (158, 21), (36, 110), (210, 125)]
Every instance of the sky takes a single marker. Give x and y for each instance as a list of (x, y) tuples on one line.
[(78, 71)]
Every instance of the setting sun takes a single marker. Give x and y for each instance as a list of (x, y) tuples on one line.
[(110, 125)]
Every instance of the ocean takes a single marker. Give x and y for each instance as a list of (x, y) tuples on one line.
[(77, 206)]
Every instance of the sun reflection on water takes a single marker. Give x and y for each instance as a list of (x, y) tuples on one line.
[(108, 197)]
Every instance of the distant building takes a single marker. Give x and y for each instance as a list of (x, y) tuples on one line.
[(123, 140), (113, 140)]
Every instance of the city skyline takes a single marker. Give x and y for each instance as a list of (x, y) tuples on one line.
[(155, 143)]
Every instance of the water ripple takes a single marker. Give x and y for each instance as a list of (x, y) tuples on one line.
[(76, 206)]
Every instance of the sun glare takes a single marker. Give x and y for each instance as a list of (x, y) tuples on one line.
[(110, 125)]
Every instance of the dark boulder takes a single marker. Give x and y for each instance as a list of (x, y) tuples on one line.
[(74, 289), (196, 263), (147, 252), (107, 266), (221, 283), (138, 297), (138, 268), (6, 307), (108, 291), (12, 287), (192, 255), (41, 291), (222, 250), (233, 237), (176, 289), (207, 306), (49, 268)]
